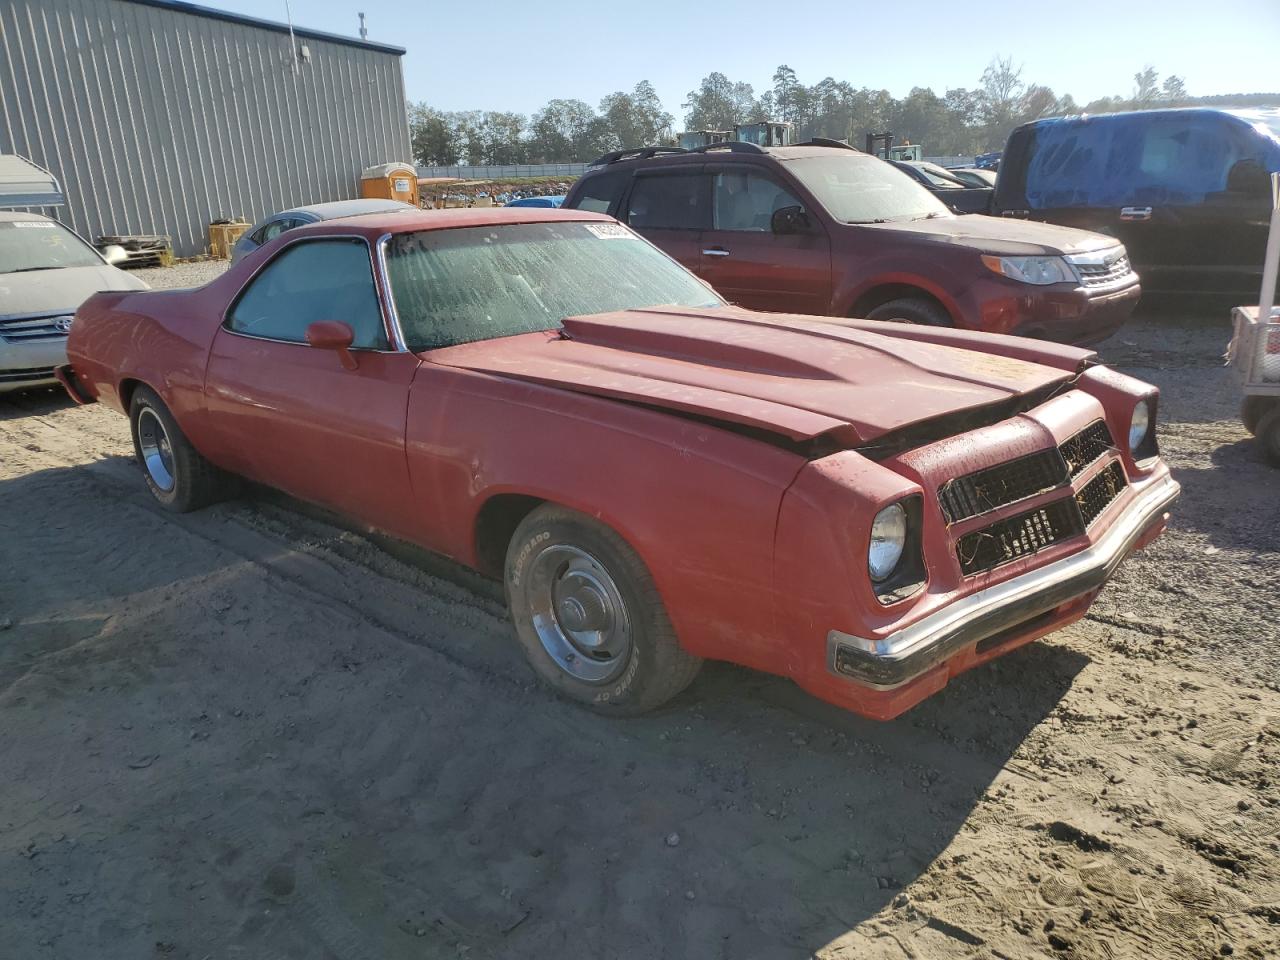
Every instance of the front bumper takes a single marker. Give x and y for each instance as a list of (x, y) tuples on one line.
[(26, 365), (889, 662), (1081, 316)]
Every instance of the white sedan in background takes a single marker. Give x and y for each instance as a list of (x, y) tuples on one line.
[(46, 272)]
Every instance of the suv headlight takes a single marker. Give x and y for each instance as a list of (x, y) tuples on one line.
[(1140, 425), (888, 538), (1036, 270)]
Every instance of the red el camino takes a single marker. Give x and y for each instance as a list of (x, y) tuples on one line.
[(867, 508)]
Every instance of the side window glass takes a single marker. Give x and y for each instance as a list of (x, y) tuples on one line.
[(315, 280), (747, 201), (599, 192), (669, 202)]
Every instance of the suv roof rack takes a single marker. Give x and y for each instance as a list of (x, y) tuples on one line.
[(733, 146), (826, 142), (635, 153)]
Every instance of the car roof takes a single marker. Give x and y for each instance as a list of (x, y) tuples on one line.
[(347, 208), (726, 155), (374, 225), (9, 216)]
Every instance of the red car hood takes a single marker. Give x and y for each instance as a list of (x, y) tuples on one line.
[(800, 377)]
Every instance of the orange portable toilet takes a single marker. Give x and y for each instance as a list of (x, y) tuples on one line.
[(391, 181)]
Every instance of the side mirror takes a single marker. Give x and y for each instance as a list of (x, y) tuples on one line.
[(333, 335), (787, 220), (115, 254)]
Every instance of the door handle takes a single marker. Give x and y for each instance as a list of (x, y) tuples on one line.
[(1135, 213), (715, 252)]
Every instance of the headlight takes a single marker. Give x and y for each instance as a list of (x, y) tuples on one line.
[(1140, 425), (1037, 270), (888, 537)]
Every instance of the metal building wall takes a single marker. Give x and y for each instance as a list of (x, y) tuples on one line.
[(157, 121)]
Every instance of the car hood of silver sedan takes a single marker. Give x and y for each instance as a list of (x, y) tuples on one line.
[(63, 289)]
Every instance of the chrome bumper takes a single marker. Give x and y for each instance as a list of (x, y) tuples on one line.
[(902, 656)]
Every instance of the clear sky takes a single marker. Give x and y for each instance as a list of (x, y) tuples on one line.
[(508, 55)]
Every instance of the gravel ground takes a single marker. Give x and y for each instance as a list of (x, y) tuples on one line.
[(250, 733), (193, 273)]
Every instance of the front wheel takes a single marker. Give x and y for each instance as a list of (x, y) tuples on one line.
[(926, 313), (589, 617), (176, 474)]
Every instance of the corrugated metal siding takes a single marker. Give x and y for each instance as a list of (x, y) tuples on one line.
[(157, 121)]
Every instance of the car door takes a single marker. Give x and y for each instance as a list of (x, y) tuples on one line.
[(293, 416), (670, 207), (749, 264)]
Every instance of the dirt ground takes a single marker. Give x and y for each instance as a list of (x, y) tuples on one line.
[(250, 733)]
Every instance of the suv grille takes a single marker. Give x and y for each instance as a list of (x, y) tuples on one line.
[(1095, 274), (985, 490), (27, 329)]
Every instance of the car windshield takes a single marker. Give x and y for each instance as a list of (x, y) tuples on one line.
[(861, 189), (33, 244), (479, 283)]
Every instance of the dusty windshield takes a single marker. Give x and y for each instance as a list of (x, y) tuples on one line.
[(862, 189), (28, 245), (480, 283)]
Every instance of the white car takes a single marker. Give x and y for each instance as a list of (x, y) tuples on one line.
[(46, 272)]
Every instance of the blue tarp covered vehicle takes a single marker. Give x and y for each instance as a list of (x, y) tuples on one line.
[(1187, 190)]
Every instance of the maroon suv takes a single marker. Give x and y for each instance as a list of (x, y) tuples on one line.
[(829, 230)]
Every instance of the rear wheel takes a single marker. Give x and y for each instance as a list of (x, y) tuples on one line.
[(589, 617), (1268, 434), (927, 313), (176, 474)]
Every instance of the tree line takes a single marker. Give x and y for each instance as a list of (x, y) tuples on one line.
[(960, 122)]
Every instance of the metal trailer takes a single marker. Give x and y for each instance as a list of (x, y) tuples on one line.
[(1254, 352)]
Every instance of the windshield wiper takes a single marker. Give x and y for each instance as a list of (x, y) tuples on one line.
[(31, 269), (879, 220)]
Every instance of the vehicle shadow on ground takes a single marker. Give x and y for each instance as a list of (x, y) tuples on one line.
[(32, 403), (1247, 517), (373, 792)]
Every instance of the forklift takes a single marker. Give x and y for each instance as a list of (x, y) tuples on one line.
[(881, 145)]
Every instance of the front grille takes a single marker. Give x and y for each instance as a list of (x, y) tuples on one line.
[(1086, 446), (28, 329), (993, 487), (1095, 274), (1006, 540), (1096, 495), (26, 375), (1005, 483)]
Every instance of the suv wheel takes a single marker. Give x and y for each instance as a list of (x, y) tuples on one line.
[(927, 313)]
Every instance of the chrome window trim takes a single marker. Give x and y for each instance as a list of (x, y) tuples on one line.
[(388, 296), (383, 307)]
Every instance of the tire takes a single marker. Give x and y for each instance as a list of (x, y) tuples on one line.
[(1253, 409), (1268, 434), (176, 474), (926, 313), (589, 617)]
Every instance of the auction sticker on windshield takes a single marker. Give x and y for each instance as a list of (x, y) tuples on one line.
[(610, 231), (40, 224)]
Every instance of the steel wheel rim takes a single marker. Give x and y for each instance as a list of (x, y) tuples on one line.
[(157, 452), (578, 614)]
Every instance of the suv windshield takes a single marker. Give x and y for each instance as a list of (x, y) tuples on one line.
[(41, 245), (479, 283), (861, 189)]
